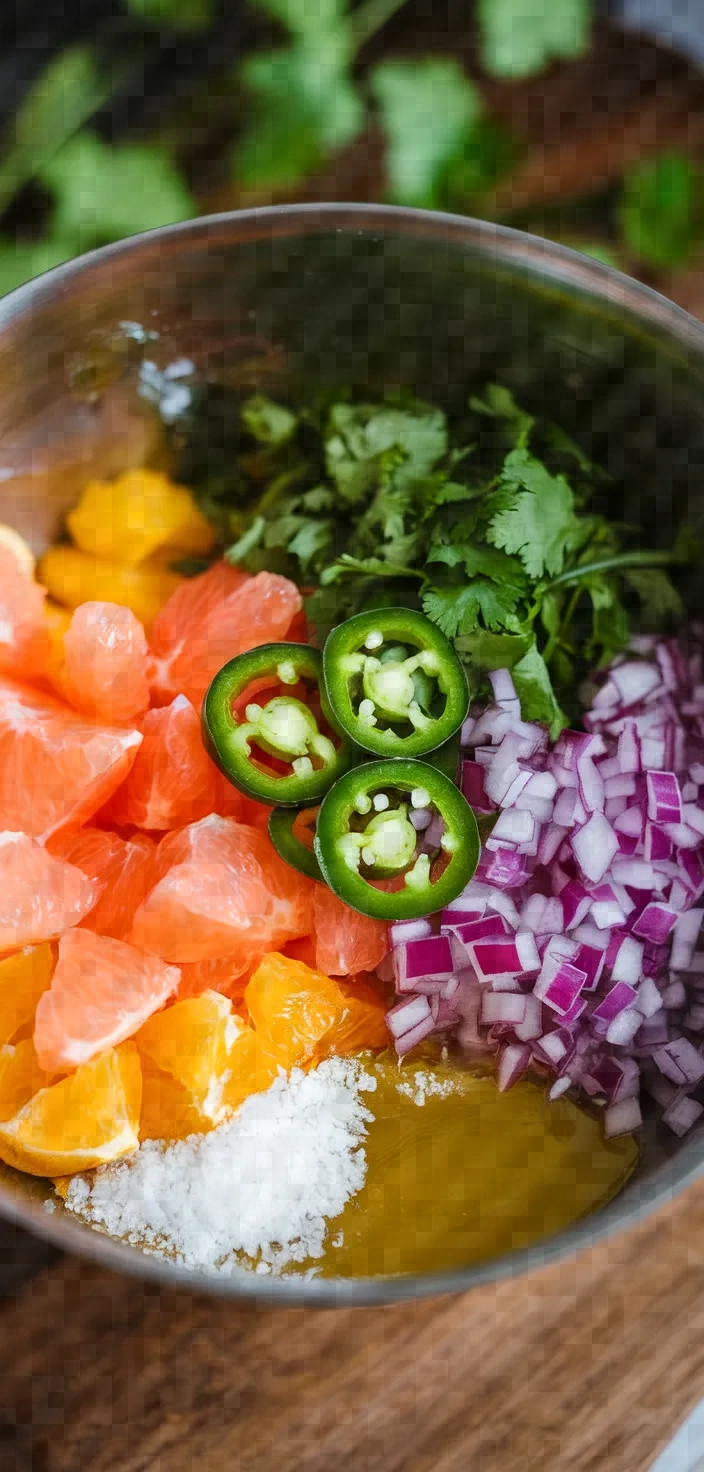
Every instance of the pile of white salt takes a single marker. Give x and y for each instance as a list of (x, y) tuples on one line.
[(264, 1185)]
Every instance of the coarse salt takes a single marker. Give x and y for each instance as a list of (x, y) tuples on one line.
[(263, 1186), (424, 1084)]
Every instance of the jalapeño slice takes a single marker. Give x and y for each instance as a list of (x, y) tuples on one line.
[(394, 682), (401, 822), (292, 832), (281, 746)]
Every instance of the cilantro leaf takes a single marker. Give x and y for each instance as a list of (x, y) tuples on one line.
[(456, 609), (489, 561), (303, 105), (520, 37), (103, 192), (250, 539), (266, 421), (657, 592), (359, 436), (311, 538), (536, 516), (499, 403), (534, 689), (427, 107), (346, 565), (486, 650), (661, 213)]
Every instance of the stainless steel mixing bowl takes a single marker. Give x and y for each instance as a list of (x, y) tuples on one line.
[(308, 296)]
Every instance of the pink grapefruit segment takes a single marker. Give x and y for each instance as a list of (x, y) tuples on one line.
[(173, 781), (102, 990), (212, 618), (40, 896), (105, 664), (56, 768), (24, 635), (222, 891)]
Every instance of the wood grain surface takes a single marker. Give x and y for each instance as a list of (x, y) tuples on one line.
[(586, 1367)]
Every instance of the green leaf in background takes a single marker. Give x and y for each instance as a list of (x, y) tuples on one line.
[(57, 105), (427, 108), (306, 17), (658, 594), (21, 260), (303, 106), (661, 213), (520, 37), (180, 15), (103, 193), (487, 154)]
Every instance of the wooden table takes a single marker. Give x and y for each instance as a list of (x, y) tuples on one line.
[(586, 1367)]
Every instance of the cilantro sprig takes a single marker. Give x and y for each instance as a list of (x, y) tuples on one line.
[(486, 524)]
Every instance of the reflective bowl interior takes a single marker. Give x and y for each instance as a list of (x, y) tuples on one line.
[(295, 299)]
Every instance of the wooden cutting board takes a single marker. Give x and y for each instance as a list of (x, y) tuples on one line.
[(585, 1367)]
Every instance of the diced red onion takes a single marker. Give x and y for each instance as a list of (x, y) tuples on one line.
[(532, 1025), (622, 1118), (626, 964), (664, 798), (680, 1062), (403, 930), (512, 1064), (682, 1114), (409, 1040), (506, 1007), (655, 922), (616, 1000), (594, 846), (649, 1001)]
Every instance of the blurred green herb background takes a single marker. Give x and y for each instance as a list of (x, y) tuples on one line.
[(312, 77)]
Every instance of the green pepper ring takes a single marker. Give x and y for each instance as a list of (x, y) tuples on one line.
[(406, 904), (402, 625), (288, 846), (296, 790)]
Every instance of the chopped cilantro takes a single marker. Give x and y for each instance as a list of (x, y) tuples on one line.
[(484, 523)]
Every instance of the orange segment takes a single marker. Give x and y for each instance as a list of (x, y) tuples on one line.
[(211, 618), (73, 577), (24, 978), (226, 974), (24, 638), (223, 891), (168, 1112), (56, 768), (20, 1077), (102, 990), (40, 896), (172, 782), (301, 1015), (105, 661), (198, 1042), (345, 942), (129, 518), (85, 1120)]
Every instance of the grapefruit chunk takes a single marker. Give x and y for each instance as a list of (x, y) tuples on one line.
[(222, 891), (345, 942), (212, 618), (24, 636), (172, 782), (83, 1121), (102, 990), (105, 661), (40, 896), (56, 768), (122, 869)]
